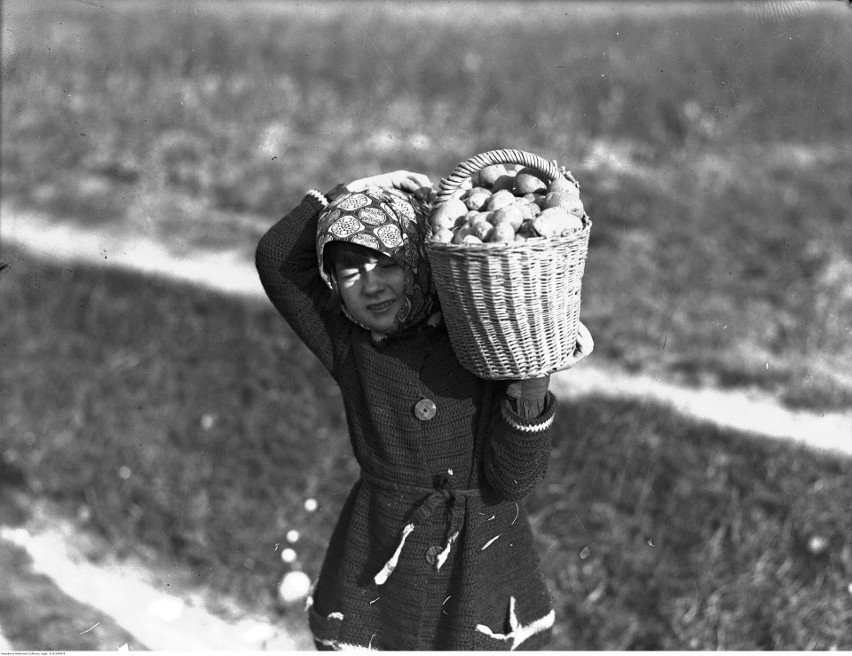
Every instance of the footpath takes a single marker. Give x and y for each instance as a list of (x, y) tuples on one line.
[(135, 606), (161, 621)]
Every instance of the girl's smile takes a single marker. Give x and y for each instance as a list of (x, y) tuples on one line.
[(381, 308)]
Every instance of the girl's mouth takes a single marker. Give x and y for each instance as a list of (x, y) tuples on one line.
[(380, 308)]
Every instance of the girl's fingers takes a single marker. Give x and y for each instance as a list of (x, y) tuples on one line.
[(408, 181), (585, 343), (425, 194), (413, 181)]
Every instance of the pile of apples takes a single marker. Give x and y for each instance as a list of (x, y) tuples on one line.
[(505, 203)]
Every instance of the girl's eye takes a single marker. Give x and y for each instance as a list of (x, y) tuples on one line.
[(347, 274)]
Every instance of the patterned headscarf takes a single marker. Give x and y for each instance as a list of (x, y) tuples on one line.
[(393, 223)]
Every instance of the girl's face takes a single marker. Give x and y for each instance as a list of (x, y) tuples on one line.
[(372, 291)]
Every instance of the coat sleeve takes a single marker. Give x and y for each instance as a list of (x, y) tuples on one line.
[(517, 450), (287, 265)]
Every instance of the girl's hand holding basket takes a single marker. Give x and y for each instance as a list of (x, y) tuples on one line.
[(417, 184), (582, 348)]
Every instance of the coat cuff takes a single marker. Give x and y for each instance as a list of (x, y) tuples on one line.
[(530, 425), (317, 197)]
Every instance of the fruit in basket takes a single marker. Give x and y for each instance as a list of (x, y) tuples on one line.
[(565, 186), (476, 198), (561, 183), (482, 230), (513, 214), (500, 199), (504, 182), (474, 218), (567, 201), (461, 233), (526, 229), (529, 210), (529, 181), (447, 214), (555, 221), (443, 236), (502, 233), (490, 174), (442, 222), (502, 203), (476, 189)]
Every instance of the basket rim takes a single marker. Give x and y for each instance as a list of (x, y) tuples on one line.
[(463, 170)]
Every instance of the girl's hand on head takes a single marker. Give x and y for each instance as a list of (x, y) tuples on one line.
[(585, 345), (413, 183)]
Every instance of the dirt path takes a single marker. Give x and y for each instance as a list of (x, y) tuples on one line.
[(752, 412), (129, 602)]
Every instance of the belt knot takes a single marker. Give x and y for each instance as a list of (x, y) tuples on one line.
[(442, 492)]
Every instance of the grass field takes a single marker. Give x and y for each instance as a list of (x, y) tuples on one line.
[(713, 150), (180, 424), (713, 147)]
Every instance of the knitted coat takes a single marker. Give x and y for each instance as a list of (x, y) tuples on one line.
[(433, 548)]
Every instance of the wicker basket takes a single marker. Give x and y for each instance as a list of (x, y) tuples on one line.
[(511, 310)]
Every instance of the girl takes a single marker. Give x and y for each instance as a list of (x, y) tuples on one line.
[(433, 549)]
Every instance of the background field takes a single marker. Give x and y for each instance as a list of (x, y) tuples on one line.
[(714, 154), (713, 147)]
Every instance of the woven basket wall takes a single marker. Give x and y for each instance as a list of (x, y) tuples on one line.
[(512, 310)]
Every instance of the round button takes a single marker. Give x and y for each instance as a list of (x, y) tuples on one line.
[(425, 409), (432, 555)]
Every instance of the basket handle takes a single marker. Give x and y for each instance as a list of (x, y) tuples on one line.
[(465, 169)]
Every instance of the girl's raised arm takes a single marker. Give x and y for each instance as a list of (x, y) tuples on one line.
[(286, 261)]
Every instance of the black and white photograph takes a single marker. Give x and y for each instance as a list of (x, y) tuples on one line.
[(421, 325)]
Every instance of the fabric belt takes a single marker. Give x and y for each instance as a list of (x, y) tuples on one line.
[(442, 493), (443, 482)]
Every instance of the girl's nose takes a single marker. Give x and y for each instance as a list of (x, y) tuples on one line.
[(372, 280)]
